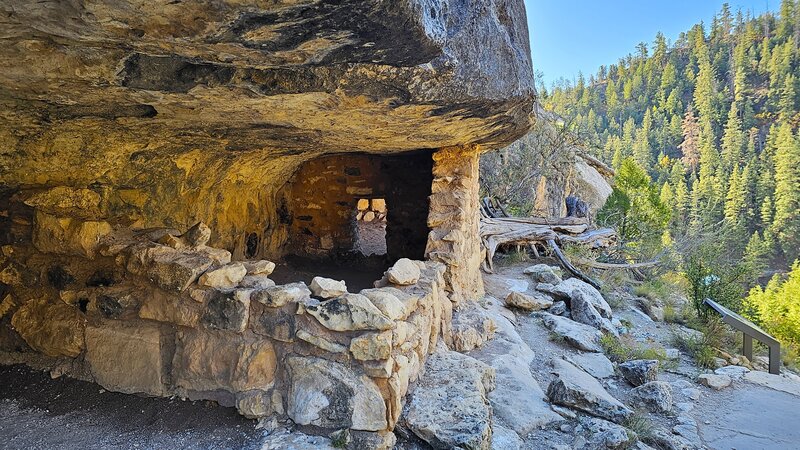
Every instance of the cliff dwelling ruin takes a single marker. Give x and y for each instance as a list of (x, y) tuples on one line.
[(160, 160)]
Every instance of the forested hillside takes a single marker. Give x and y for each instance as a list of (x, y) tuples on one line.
[(713, 119)]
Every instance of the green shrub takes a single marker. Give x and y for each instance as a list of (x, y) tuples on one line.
[(777, 306), (703, 348), (625, 348), (655, 289), (639, 422)]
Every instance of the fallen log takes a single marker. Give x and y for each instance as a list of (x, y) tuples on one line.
[(602, 237), (529, 231), (569, 267)]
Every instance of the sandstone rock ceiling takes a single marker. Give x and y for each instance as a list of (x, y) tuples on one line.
[(180, 111), (284, 76)]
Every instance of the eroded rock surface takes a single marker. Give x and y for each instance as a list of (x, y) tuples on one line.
[(229, 99), (326, 394), (639, 371), (577, 389), (449, 407), (578, 335)]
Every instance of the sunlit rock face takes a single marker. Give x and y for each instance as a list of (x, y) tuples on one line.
[(156, 155), (176, 112)]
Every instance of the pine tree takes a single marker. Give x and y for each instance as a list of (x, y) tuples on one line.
[(787, 192), (690, 145), (733, 142), (787, 99), (766, 214), (786, 22), (734, 200), (641, 145), (712, 107), (756, 254)]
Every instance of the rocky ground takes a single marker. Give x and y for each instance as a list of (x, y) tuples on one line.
[(542, 382), (672, 408)]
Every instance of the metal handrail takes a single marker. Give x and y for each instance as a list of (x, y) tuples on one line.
[(749, 331)]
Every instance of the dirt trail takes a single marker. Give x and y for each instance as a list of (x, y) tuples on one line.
[(37, 412)]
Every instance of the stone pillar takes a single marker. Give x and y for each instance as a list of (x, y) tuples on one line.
[(454, 220)]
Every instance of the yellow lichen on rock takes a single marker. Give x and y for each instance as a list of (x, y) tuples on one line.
[(55, 329), (68, 235)]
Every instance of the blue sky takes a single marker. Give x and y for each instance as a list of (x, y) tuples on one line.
[(568, 36)]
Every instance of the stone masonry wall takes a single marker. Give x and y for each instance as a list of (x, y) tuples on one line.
[(454, 220), (319, 202), (163, 314)]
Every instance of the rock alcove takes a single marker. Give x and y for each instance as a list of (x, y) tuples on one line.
[(155, 158)]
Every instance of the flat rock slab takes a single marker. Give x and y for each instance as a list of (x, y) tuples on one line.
[(595, 364), (777, 382), (517, 400), (449, 406), (580, 336), (505, 439), (579, 390), (754, 417)]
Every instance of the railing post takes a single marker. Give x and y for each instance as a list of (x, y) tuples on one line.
[(747, 347), (775, 359)]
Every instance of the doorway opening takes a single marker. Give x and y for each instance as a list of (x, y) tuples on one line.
[(370, 227)]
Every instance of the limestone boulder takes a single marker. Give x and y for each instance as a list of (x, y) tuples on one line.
[(126, 356), (572, 287), (404, 272), (167, 307), (170, 269), (228, 310), (505, 439), (542, 273), (380, 440), (577, 389), (350, 312), (257, 403), (607, 435), (330, 395), (326, 288), (655, 396), (275, 323), (111, 302), (208, 360), (53, 328), (224, 277), (386, 300), (277, 296), (449, 406), (321, 342), (735, 372), (639, 371), (197, 235), (584, 311), (471, 327), (580, 336), (372, 346), (559, 308), (527, 302), (260, 267), (256, 282), (716, 382), (219, 256)]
